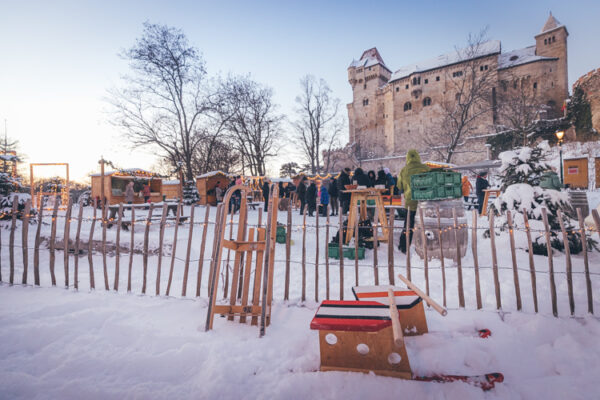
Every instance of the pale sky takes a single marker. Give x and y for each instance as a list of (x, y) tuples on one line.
[(58, 58)]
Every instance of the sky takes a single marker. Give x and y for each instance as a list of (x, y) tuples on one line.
[(59, 58)]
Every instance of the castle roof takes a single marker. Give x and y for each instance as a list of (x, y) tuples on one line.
[(454, 57), (368, 59), (519, 57), (551, 23)]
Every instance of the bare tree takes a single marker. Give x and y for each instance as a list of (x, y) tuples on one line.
[(468, 98), (163, 102), (217, 154), (318, 125), (252, 123)]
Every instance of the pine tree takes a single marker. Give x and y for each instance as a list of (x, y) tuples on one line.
[(579, 112), (520, 173), (190, 193)]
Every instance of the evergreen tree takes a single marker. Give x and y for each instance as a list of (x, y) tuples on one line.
[(579, 112), (190, 193), (521, 171)]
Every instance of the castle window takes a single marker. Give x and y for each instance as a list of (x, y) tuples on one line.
[(365, 102), (437, 78), (553, 39), (369, 68), (545, 41), (426, 81), (457, 97), (407, 106), (535, 85), (426, 101), (360, 81), (457, 74), (504, 85), (365, 86), (514, 84), (406, 86), (397, 88)]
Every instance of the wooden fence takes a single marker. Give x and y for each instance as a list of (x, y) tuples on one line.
[(199, 224)]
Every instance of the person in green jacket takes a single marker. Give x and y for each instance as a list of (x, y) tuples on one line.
[(413, 166)]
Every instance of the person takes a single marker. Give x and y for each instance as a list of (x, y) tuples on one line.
[(480, 185), (466, 187), (281, 190), (301, 192), (129, 193), (324, 196), (391, 182), (372, 178), (360, 178), (219, 192), (146, 193), (381, 178), (265, 193), (333, 196), (413, 166), (344, 197), (311, 198)]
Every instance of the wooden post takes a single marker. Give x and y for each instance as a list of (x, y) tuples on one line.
[(550, 262), (220, 226), (104, 223), (131, 246), (443, 312), (425, 255), (260, 213), (588, 282), (202, 247), (36, 250), (67, 234), (91, 247), (396, 328), (188, 252), (531, 262), (317, 256), (407, 237), (356, 235), (475, 259), (145, 250), (341, 254), (237, 275), (11, 244), (288, 239), (495, 261), (53, 240), (514, 259), (461, 292), (390, 247), (375, 248), (174, 248), (24, 237), (226, 285), (118, 248), (569, 265), (77, 246), (102, 196), (327, 255), (161, 238), (303, 253)]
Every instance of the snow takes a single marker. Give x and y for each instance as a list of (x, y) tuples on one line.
[(456, 56), (212, 173), (61, 343), (519, 57), (171, 182)]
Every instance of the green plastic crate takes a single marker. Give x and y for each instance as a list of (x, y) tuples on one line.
[(349, 252), (334, 251), (437, 193), (435, 178)]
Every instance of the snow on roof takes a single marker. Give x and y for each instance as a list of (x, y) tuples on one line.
[(132, 171), (519, 57), (551, 23), (212, 173), (368, 59), (456, 56), (277, 180), (171, 182)]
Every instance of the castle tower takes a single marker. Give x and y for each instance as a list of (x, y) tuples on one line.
[(552, 42), (366, 76)]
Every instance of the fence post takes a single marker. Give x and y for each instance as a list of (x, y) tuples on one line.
[(161, 238), (188, 252), (514, 259), (531, 261), (11, 243), (495, 261), (425, 255), (375, 247), (390, 247), (174, 247), (145, 250), (91, 247), (588, 282), (475, 259), (327, 254), (24, 237), (220, 226), (288, 239), (408, 230), (53, 240), (304, 253), (67, 234), (131, 244), (118, 248), (568, 262), (341, 254), (36, 250), (461, 292), (202, 247), (443, 262), (550, 263), (77, 246), (317, 254), (104, 223), (356, 235)]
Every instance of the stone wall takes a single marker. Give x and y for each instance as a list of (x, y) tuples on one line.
[(590, 83)]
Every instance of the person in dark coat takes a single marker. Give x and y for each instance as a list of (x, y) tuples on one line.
[(265, 193), (343, 180), (360, 178), (301, 192), (333, 196), (480, 185), (381, 178), (311, 198), (372, 178)]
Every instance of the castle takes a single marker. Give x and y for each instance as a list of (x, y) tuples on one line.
[(392, 112)]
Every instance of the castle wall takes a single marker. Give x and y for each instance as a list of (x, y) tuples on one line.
[(590, 83)]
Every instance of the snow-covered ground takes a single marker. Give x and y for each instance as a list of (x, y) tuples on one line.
[(61, 343)]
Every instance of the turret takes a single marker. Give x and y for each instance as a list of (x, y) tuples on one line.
[(552, 42)]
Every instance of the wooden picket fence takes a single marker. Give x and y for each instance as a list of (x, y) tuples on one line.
[(317, 260)]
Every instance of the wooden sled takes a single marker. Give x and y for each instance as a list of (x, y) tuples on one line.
[(254, 244)]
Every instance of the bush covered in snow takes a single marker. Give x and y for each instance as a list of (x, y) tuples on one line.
[(190, 193), (520, 174)]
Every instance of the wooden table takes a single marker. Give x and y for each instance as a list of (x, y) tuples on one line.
[(362, 195), (496, 192)]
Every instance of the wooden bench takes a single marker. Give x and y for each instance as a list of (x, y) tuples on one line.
[(171, 208)]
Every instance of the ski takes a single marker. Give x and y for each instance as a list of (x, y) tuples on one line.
[(479, 333), (485, 382)]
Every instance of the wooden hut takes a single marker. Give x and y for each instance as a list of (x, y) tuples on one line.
[(170, 189), (115, 183), (206, 184)]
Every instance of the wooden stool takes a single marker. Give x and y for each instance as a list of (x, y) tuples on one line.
[(362, 195)]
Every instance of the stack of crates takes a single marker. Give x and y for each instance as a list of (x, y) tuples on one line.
[(436, 185)]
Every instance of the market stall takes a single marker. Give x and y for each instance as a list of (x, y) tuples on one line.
[(115, 183)]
